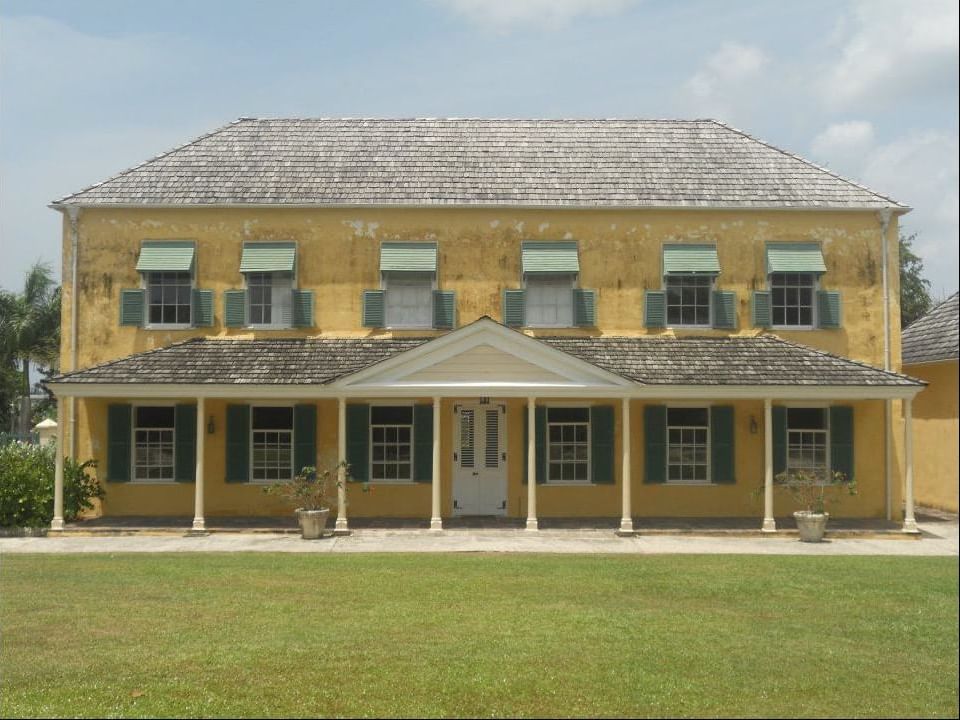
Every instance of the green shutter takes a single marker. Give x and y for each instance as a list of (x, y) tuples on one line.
[(235, 308), (514, 308), (601, 444), (841, 440), (185, 442), (268, 257), (358, 441), (539, 442), (238, 444), (373, 309), (304, 437), (550, 257), (166, 255), (762, 316), (202, 308), (423, 443), (655, 309), (131, 307), (119, 430), (584, 307), (779, 440), (302, 308), (444, 309), (722, 455), (794, 258), (408, 257), (724, 309), (828, 309), (686, 259), (655, 443)]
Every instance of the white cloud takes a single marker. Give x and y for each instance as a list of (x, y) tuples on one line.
[(504, 15), (722, 87), (891, 49), (843, 144)]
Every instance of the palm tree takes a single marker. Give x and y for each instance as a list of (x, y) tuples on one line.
[(30, 329)]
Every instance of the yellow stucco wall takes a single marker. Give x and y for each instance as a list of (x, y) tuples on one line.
[(935, 435), (479, 256), (413, 500)]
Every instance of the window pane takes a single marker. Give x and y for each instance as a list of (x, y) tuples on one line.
[(568, 415), (806, 418), (688, 416), (154, 417), (391, 415), (270, 418)]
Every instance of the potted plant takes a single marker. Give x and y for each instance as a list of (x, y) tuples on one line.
[(310, 493), (813, 492)]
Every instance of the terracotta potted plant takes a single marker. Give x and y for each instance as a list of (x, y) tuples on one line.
[(813, 492), (310, 493)]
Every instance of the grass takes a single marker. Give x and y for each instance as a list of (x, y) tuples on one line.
[(475, 635)]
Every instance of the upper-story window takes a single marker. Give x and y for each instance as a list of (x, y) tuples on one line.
[(408, 276), (689, 273), (270, 272), (793, 275), (166, 268), (550, 297)]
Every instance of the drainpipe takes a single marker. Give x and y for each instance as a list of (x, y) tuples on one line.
[(73, 215), (884, 216)]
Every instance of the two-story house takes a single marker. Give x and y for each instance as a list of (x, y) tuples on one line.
[(525, 318)]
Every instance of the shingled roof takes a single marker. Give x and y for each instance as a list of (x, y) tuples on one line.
[(934, 336), (741, 361), (479, 162)]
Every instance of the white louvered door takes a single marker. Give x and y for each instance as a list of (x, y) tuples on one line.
[(480, 473)]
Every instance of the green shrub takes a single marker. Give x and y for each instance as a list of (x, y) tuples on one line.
[(26, 485)]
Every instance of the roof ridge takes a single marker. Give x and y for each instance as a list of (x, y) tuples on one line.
[(148, 161), (834, 356), (810, 163), (454, 118)]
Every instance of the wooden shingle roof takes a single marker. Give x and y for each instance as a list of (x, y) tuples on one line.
[(479, 162), (935, 336)]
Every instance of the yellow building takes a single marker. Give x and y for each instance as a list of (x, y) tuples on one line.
[(643, 318), (930, 352)]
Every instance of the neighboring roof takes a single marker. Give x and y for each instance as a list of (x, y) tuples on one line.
[(934, 336), (479, 162), (741, 361)]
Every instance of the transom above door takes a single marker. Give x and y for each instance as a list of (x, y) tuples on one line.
[(479, 460)]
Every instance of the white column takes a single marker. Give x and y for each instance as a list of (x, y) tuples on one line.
[(57, 523), (769, 524), (341, 527), (199, 525), (909, 521), (436, 522), (626, 521), (532, 464)]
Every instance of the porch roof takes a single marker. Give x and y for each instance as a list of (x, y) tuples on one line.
[(741, 361)]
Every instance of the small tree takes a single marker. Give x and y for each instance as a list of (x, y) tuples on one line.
[(915, 299)]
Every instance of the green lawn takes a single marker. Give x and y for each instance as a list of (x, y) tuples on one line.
[(378, 635)]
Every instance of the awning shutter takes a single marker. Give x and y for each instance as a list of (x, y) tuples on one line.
[(687, 259), (408, 257), (268, 257), (795, 258), (166, 256), (550, 257)]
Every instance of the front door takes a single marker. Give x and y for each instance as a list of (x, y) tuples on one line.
[(479, 460)]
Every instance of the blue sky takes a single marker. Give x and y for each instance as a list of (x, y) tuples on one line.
[(867, 88)]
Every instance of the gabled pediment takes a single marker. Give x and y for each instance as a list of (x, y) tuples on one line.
[(483, 355)]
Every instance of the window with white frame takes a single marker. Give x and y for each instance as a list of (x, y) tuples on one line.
[(391, 443), (792, 298), (272, 443), (409, 299), (169, 298), (270, 298), (808, 440), (153, 437), (568, 445), (549, 299), (688, 445), (688, 299)]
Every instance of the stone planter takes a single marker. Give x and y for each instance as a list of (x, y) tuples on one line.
[(312, 522), (811, 525)]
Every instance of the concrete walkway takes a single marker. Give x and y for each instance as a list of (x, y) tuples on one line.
[(938, 538)]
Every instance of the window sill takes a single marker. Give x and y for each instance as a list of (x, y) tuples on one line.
[(269, 327), (171, 326), (793, 327)]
